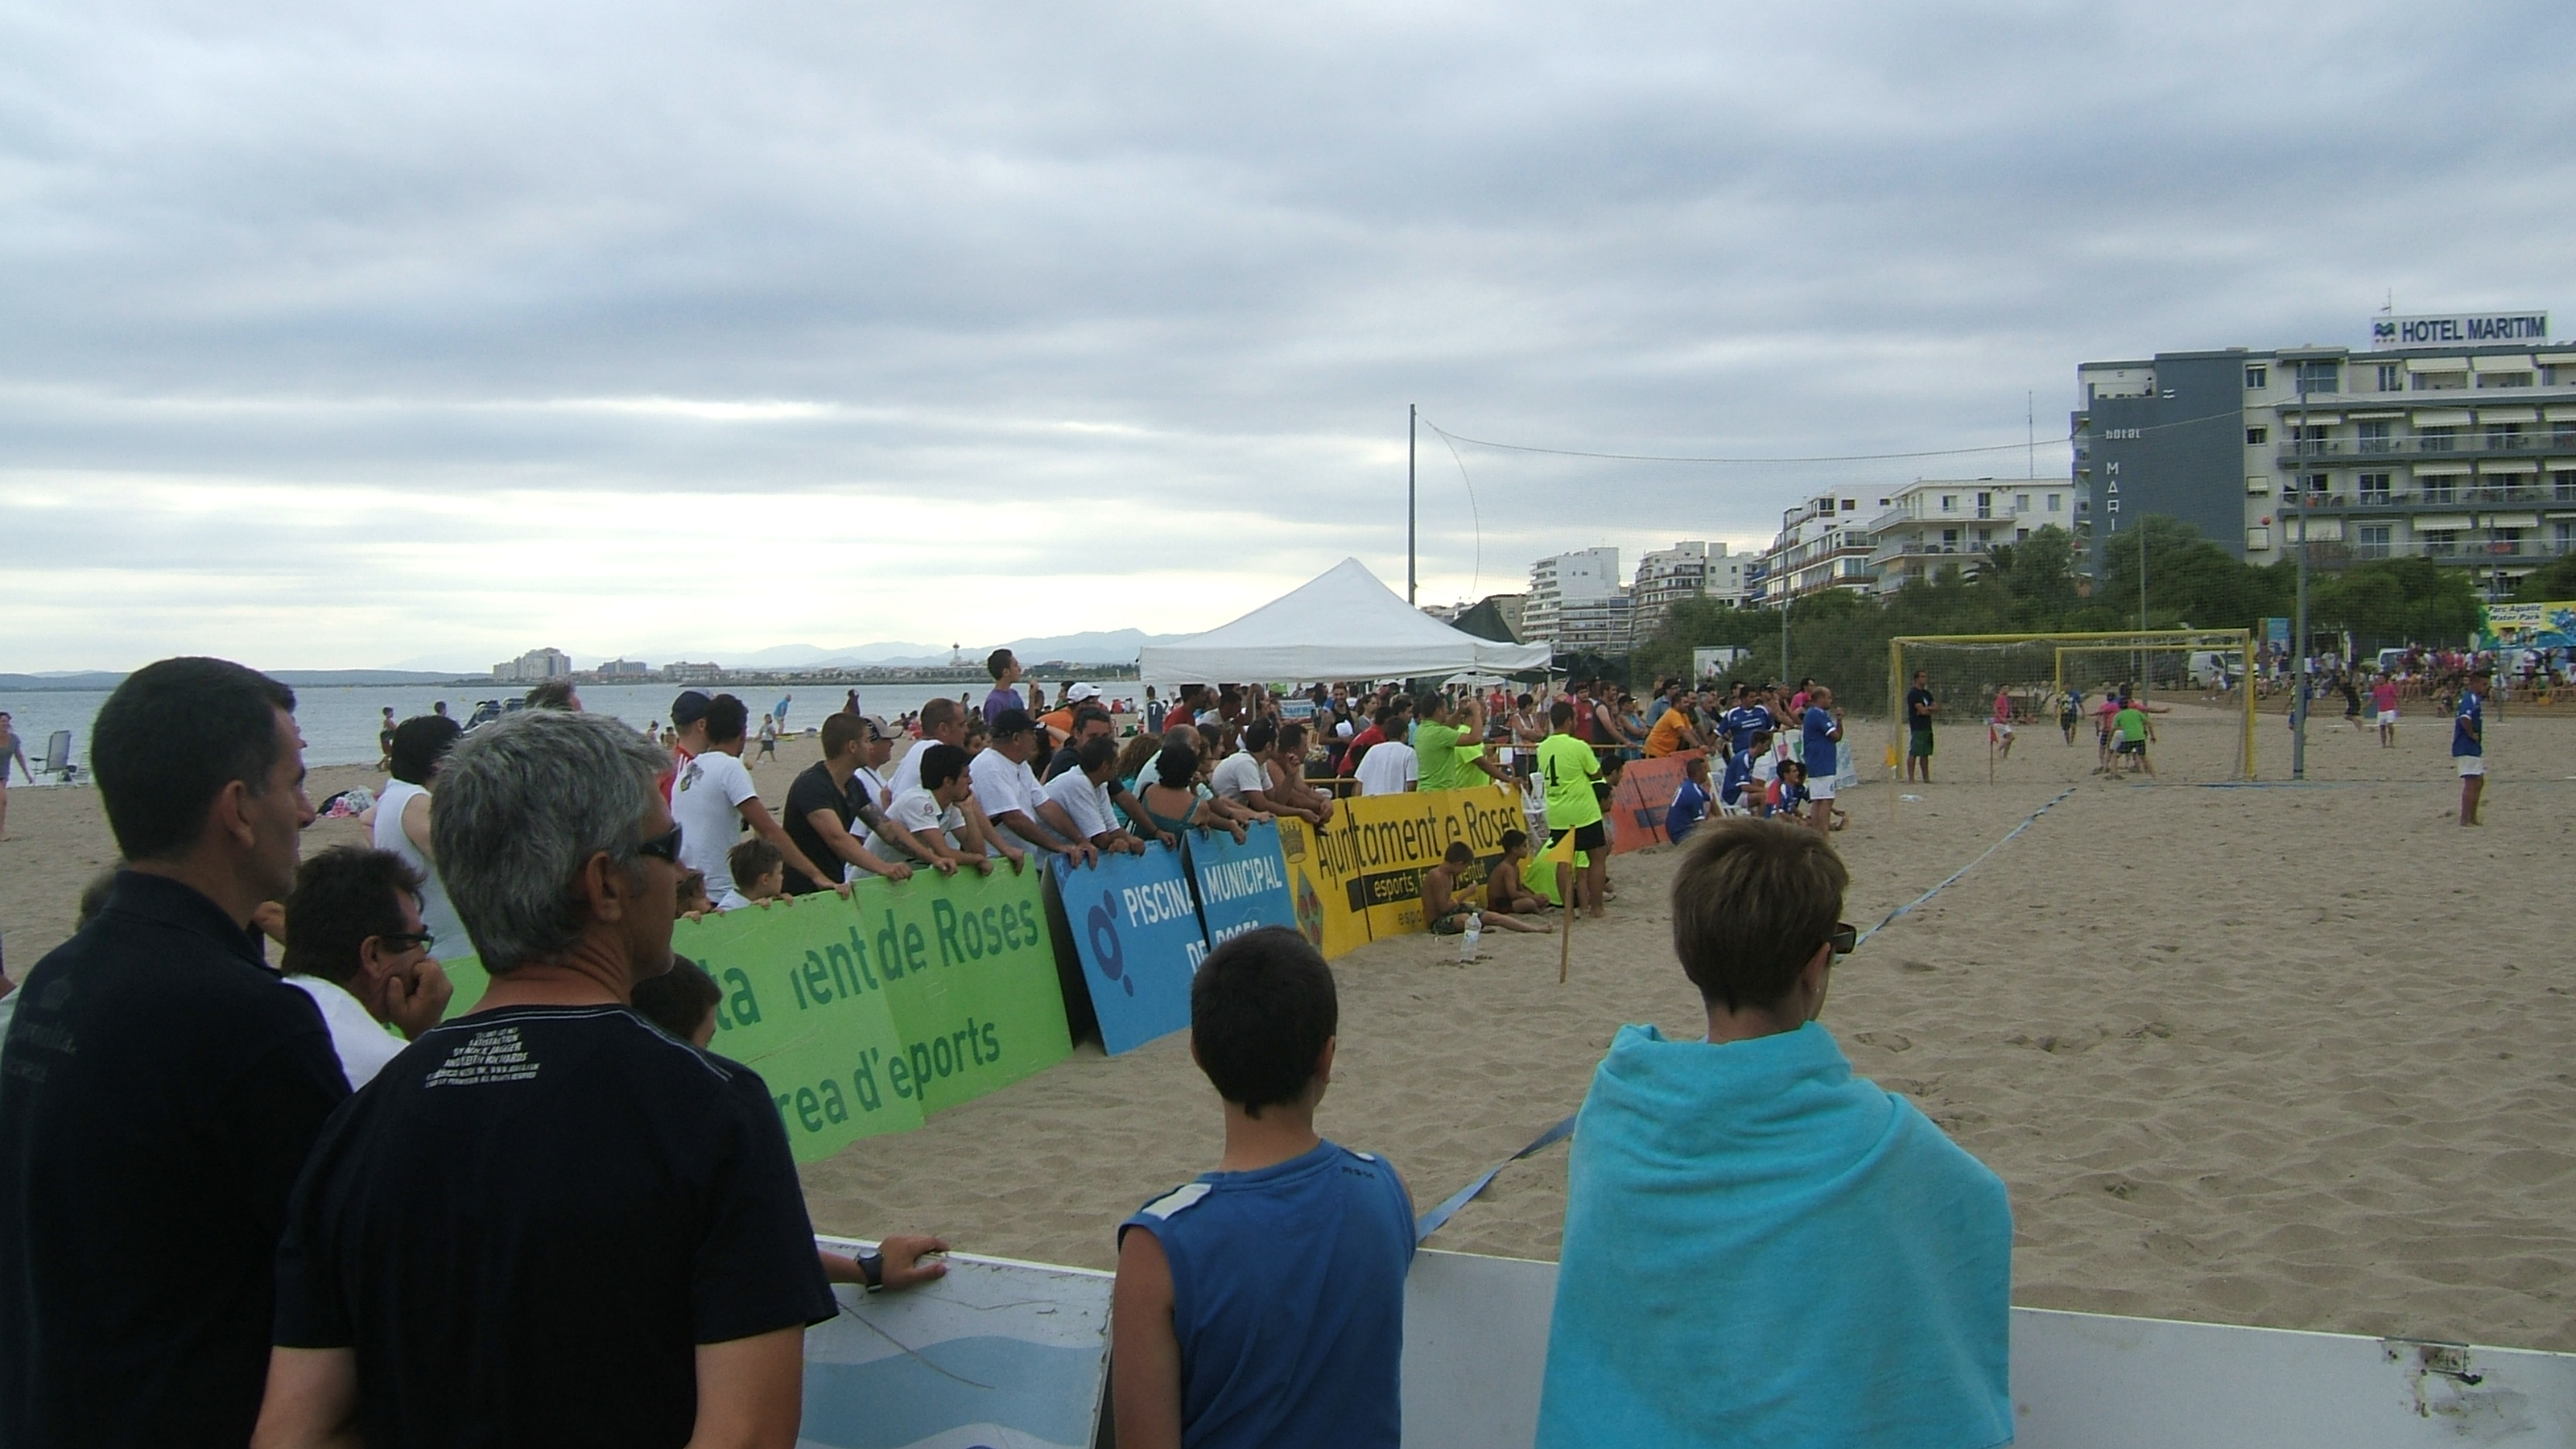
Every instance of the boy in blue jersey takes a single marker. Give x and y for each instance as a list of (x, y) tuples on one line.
[(1690, 802), (1821, 729), (2469, 746), (1739, 771), (1263, 1303)]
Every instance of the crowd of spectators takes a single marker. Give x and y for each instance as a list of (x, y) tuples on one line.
[(558, 1218)]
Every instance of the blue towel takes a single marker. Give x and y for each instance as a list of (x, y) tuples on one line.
[(1764, 1249)]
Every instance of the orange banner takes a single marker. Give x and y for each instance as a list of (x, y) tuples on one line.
[(1639, 800)]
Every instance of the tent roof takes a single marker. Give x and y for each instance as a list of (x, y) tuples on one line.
[(1342, 624)]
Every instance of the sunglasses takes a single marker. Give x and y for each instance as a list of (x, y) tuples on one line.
[(1845, 939), (405, 940), (665, 846)]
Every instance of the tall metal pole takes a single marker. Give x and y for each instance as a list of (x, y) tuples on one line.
[(2146, 662), (1412, 429), (2299, 631)]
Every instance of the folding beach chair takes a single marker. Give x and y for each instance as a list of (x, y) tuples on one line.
[(58, 757)]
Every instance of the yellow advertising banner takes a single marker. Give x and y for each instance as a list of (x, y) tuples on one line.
[(1359, 879)]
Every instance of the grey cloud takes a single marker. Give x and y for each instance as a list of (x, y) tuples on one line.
[(1196, 259)]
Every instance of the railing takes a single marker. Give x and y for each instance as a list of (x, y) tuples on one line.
[(2461, 497), (2293, 453)]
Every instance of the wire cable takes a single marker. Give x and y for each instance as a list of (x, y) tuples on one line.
[(1456, 438)]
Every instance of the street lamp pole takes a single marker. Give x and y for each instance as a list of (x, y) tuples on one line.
[(2299, 631), (1412, 430)]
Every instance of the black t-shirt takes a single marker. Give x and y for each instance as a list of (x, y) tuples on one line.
[(1066, 758), (158, 1092), (1918, 709), (813, 790), (528, 1221)]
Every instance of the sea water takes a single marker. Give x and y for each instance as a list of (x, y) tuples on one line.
[(340, 721)]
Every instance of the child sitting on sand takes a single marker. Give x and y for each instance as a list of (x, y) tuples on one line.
[(1751, 1189), (1507, 891), (1444, 913), (1263, 1302), (759, 874)]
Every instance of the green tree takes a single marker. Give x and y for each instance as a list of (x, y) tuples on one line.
[(2550, 582)]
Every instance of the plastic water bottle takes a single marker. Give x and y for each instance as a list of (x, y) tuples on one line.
[(1467, 938)]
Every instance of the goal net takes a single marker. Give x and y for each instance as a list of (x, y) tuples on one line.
[(2028, 707)]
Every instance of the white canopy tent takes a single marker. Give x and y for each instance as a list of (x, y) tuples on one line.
[(1343, 624)]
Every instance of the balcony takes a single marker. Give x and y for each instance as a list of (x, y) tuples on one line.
[(2464, 496), (2470, 443), (1887, 553)]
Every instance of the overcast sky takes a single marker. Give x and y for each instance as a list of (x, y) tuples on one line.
[(347, 334)]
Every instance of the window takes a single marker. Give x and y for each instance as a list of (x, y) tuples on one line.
[(1985, 505), (2562, 487), (2021, 503), (2257, 377), (2258, 539), (2441, 381), (2374, 487), (2505, 436), (2440, 490), (2437, 440), (2316, 486), (2507, 540), (2054, 499), (1949, 503), (2371, 540), (1949, 540), (2257, 486), (2371, 436), (2562, 537), (2504, 379), (2440, 542), (2257, 437), (2020, 534), (2392, 377), (2320, 374), (2562, 433)]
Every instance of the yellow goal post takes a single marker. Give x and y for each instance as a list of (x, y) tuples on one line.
[(2239, 642)]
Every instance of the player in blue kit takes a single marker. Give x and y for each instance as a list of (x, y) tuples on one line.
[(2469, 746), (1263, 1303)]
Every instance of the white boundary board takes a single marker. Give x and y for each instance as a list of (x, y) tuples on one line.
[(1475, 1348), (998, 1353)]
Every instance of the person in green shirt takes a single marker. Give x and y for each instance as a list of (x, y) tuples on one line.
[(1435, 746), (2130, 724), (1568, 767)]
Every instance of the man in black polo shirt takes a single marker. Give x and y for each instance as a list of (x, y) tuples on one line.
[(821, 803), (1090, 722), (548, 1222), (159, 1087)]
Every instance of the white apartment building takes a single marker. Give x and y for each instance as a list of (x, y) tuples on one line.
[(534, 666), (1588, 574), (1689, 569), (1823, 544), (1932, 522), (1595, 624), (2451, 438)]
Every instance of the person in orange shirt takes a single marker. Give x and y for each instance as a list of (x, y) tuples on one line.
[(1672, 733)]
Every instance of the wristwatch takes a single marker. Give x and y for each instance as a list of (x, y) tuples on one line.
[(872, 1268)]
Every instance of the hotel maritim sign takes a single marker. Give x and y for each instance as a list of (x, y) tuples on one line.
[(2462, 328)]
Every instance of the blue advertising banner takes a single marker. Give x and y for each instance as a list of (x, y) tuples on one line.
[(1136, 930), (1241, 887)]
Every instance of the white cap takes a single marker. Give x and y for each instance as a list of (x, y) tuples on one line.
[(1077, 693)]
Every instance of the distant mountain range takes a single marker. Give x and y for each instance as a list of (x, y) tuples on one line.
[(1114, 646)]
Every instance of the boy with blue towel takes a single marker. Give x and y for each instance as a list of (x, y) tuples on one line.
[(1262, 1305), (1760, 1247)]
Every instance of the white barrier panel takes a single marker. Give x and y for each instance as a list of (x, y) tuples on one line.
[(1475, 1347), (996, 1353)]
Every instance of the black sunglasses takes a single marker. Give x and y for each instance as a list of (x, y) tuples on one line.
[(405, 940), (1845, 939), (665, 846)]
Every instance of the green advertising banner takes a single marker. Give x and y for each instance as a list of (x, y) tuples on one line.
[(866, 1015)]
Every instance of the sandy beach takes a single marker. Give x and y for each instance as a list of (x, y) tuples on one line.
[(2284, 1056)]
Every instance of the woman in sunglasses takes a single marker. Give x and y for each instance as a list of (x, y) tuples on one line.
[(1750, 1189)]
